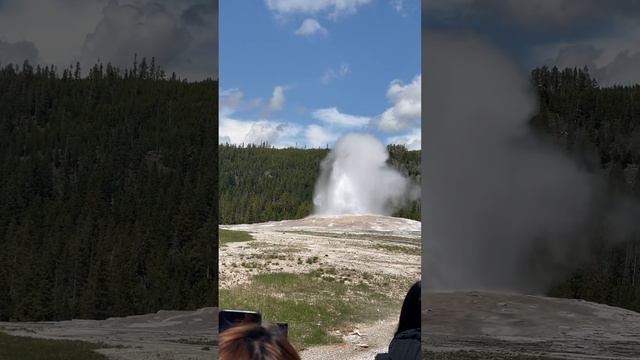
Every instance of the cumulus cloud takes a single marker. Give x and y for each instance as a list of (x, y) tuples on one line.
[(268, 132), (233, 131), (200, 59), (182, 35), (332, 116), (331, 73), (56, 28), (406, 109), (612, 60), (311, 27), (124, 30), (66, 31), (233, 100), (317, 136), (253, 131), (335, 8), (577, 56), (230, 98), (277, 99), (623, 70), (411, 140), (257, 132), (17, 52)]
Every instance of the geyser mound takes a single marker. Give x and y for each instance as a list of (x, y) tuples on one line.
[(355, 179)]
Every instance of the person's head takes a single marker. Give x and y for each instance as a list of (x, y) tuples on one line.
[(410, 314), (254, 342)]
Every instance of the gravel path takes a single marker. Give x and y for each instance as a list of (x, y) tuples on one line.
[(363, 343)]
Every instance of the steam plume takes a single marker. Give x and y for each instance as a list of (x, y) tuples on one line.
[(495, 196), (355, 179)]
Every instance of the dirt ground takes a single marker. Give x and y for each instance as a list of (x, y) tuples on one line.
[(378, 246), (165, 335), (511, 325), (376, 336)]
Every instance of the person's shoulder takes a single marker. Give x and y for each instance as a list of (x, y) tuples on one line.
[(409, 334), (406, 345)]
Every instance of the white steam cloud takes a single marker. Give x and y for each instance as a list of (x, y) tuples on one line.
[(502, 210), (355, 179)]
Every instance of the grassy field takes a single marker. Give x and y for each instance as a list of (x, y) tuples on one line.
[(228, 236), (313, 304), (25, 348)]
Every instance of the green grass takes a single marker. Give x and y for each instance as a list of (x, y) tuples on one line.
[(25, 348), (312, 304), (229, 236)]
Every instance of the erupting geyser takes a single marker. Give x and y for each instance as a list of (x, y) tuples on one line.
[(355, 179)]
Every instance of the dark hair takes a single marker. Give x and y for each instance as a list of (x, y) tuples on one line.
[(255, 342), (410, 313)]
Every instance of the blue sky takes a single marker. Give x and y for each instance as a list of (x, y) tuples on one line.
[(295, 72)]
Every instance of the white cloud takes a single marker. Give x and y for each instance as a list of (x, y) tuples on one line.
[(332, 116), (233, 131), (311, 27), (332, 73), (398, 5), (232, 100), (613, 59), (66, 31), (57, 29), (277, 99), (406, 109), (335, 8), (411, 140), (317, 136), (274, 133), (268, 132), (125, 30)]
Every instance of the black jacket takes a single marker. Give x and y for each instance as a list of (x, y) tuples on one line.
[(404, 346)]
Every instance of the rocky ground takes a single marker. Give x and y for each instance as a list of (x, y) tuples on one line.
[(165, 335), (382, 245), (365, 247), (484, 325)]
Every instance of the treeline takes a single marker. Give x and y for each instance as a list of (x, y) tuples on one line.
[(600, 128), (259, 183), (107, 192)]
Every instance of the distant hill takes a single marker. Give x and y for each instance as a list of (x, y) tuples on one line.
[(259, 183), (600, 128), (107, 192)]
